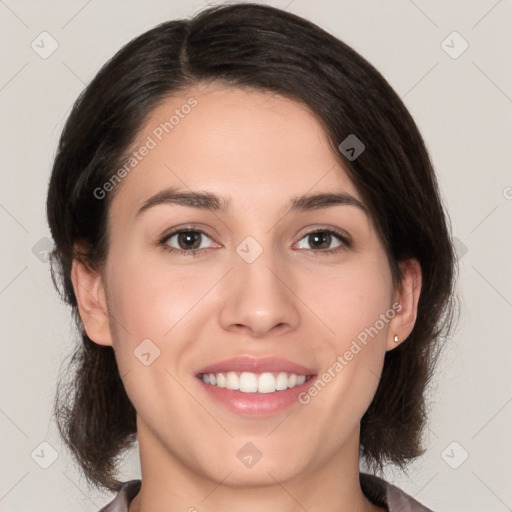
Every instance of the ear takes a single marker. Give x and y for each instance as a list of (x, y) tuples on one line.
[(92, 303), (405, 304)]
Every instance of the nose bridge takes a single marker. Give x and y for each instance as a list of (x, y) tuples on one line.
[(258, 298)]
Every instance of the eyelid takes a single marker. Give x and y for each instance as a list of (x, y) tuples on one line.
[(185, 227), (341, 233)]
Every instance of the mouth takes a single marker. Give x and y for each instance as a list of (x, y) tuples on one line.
[(255, 386), (248, 382)]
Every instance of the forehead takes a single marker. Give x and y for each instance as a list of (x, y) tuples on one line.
[(245, 144)]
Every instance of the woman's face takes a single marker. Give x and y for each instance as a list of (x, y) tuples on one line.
[(289, 287)]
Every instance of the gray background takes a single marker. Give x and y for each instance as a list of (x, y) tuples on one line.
[(463, 107)]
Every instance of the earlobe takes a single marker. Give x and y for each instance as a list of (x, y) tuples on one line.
[(407, 296), (92, 305)]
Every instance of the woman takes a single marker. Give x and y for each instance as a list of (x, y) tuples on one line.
[(249, 231)]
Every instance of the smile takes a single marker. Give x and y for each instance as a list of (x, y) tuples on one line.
[(248, 382), (255, 387)]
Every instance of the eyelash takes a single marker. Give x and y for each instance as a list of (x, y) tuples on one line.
[(345, 243)]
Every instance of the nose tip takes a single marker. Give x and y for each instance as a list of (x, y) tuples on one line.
[(257, 301)]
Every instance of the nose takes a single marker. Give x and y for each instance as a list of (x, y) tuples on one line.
[(259, 299)]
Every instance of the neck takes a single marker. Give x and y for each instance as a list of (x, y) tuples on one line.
[(169, 484)]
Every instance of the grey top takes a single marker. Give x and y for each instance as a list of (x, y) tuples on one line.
[(377, 490)]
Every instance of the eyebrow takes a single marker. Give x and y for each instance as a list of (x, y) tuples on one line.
[(215, 203)]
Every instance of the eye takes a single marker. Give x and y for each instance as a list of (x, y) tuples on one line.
[(186, 241), (324, 240)]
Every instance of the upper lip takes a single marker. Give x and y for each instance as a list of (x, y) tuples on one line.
[(257, 365)]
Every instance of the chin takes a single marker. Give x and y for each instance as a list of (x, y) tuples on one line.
[(263, 473)]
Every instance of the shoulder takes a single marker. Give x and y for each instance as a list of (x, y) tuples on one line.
[(388, 496), (125, 495)]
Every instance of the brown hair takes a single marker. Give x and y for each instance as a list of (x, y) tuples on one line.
[(261, 47)]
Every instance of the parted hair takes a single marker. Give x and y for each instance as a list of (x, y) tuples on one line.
[(263, 48)]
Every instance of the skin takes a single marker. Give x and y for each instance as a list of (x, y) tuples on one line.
[(295, 301)]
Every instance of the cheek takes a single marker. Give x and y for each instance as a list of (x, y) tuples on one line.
[(149, 298), (169, 306), (145, 304), (355, 307), (351, 301)]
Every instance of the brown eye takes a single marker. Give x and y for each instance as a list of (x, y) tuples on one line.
[(323, 240), (187, 240), (320, 240)]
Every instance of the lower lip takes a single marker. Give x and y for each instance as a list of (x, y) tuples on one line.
[(256, 404)]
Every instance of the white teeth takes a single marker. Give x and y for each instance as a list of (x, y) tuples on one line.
[(232, 381), (281, 382), (221, 380), (266, 383), (248, 382)]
